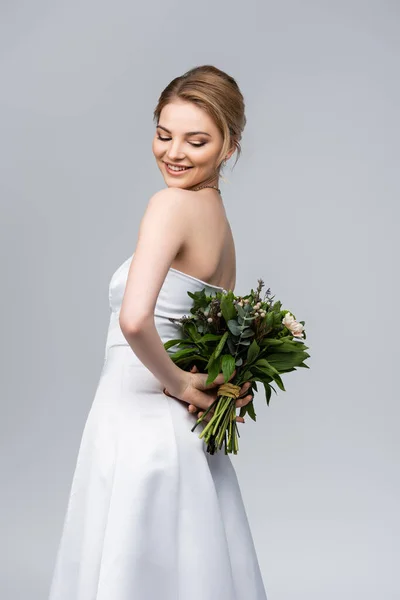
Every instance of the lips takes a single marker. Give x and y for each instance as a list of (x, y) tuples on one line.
[(176, 172)]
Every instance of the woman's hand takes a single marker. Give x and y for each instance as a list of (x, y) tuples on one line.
[(200, 396)]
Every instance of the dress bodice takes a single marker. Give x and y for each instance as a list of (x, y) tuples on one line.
[(173, 301)]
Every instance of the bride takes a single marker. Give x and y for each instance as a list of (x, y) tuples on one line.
[(151, 515)]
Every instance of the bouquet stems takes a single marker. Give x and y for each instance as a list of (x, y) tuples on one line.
[(222, 427)]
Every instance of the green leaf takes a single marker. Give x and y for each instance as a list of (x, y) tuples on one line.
[(246, 376), (277, 306), (221, 344), (217, 350), (248, 408), (214, 368), (191, 330), (253, 351), (286, 360), (181, 342), (267, 389), (227, 366), (209, 337), (251, 411), (227, 307), (171, 343), (183, 353), (231, 345), (271, 342), (264, 365)]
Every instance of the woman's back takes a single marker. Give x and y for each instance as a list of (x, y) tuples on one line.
[(210, 251)]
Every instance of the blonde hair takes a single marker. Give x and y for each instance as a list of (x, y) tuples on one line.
[(218, 94)]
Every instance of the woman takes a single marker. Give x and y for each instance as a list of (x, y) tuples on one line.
[(151, 514)]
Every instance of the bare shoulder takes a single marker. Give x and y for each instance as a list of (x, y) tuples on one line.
[(172, 195), (170, 205), (168, 209)]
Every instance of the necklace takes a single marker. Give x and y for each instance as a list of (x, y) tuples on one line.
[(204, 186)]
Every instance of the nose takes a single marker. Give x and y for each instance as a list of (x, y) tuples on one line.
[(174, 151)]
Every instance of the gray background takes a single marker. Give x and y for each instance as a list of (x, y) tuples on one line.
[(313, 204)]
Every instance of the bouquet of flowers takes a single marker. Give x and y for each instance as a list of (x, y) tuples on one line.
[(225, 332)]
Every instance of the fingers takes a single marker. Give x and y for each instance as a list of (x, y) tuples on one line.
[(219, 380), (245, 386), (243, 400)]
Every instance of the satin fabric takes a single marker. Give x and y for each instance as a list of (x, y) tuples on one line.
[(151, 515)]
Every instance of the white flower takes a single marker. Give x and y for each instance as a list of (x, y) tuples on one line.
[(294, 326), (209, 319)]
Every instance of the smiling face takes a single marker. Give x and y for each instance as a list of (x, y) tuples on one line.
[(187, 137)]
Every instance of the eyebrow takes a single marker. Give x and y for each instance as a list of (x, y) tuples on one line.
[(187, 133)]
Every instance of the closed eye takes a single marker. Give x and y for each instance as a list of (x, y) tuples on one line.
[(196, 145)]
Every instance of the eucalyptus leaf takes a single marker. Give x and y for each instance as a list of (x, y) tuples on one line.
[(241, 312), (234, 327), (248, 333)]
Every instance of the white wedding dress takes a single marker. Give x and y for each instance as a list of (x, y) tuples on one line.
[(151, 514)]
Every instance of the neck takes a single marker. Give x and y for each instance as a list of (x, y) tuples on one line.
[(211, 181)]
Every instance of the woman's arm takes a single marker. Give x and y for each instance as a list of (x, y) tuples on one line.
[(163, 232), (148, 347)]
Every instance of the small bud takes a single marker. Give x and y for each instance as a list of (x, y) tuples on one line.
[(262, 313), (219, 314), (209, 319)]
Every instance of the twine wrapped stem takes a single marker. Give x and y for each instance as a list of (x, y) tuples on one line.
[(229, 389)]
